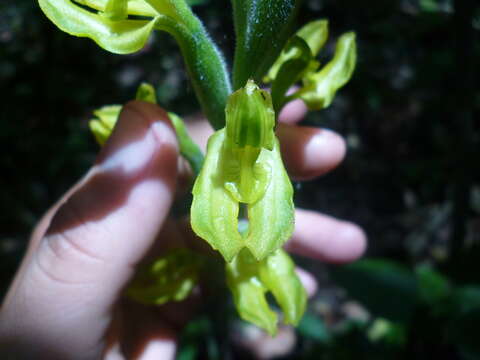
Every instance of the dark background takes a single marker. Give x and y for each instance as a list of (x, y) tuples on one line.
[(411, 178)]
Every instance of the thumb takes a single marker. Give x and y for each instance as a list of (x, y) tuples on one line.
[(76, 269)]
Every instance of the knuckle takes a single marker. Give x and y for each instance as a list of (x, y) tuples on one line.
[(63, 260)]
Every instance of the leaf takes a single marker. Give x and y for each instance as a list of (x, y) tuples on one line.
[(314, 327), (262, 28), (121, 37), (320, 88), (432, 286), (385, 288)]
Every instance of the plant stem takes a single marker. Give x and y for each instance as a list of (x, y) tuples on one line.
[(205, 65)]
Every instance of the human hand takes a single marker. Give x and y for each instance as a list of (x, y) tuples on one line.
[(66, 299)]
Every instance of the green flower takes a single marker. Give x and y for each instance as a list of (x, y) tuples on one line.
[(249, 280), (171, 277), (320, 87), (243, 168), (297, 63), (106, 21), (106, 118)]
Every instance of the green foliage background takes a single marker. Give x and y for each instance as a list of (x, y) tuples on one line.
[(411, 177)]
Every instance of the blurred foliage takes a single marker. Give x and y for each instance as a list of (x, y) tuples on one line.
[(411, 177)]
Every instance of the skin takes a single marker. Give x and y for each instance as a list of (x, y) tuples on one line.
[(65, 301)]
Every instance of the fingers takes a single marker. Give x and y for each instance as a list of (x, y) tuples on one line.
[(200, 130), (309, 152), (143, 335), (308, 281), (326, 238), (293, 112), (76, 271)]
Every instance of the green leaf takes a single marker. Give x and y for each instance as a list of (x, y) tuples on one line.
[(385, 288), (188, 148), (249, 280), (433, 287), (170, 278), (314, 34), (320, 88), (314, 327), (262, 28)]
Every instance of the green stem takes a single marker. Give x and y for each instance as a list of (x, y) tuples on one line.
[(205, 65)]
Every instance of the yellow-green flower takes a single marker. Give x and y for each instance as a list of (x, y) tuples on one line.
[(243, 169)]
